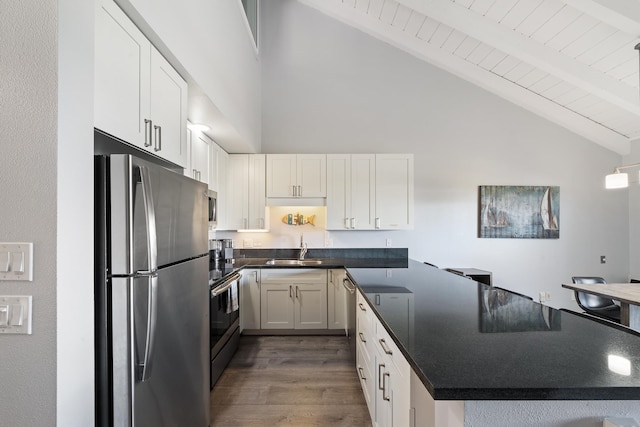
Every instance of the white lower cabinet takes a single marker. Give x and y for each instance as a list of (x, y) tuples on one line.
[(337, 299), (250, 299), (293, 299), (379, 359)]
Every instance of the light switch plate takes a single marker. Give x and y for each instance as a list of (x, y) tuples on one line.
[(18, 317), (16, 261)]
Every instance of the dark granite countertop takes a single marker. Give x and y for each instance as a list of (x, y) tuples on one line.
[(467, 341)]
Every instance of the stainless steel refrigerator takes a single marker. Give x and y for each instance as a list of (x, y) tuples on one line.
[(152, 295)]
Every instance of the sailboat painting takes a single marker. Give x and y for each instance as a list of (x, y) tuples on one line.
[(519, 212)]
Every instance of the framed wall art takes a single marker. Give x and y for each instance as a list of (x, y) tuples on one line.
[(519, 212)]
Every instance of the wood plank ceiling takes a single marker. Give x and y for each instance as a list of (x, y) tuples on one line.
[(570, 61)]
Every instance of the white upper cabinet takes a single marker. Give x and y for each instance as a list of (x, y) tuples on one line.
[(139, 97), (199, 159), (394, 191), (168, 100), (369, 191), (296, 175), (351, 191), (246, 192)]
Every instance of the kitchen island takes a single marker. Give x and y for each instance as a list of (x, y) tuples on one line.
[(491, 357), (482, 356)]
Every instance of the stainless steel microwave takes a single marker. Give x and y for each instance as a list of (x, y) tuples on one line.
[(213, 209)]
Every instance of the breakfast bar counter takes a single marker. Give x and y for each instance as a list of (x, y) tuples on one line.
[(468, 341)]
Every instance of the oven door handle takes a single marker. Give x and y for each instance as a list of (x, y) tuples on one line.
[(225, 285)]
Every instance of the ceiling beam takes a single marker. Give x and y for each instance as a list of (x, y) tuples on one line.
[(491, 82), (621, 14), (529, 51)]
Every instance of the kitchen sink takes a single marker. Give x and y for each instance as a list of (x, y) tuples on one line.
[(294, 262)]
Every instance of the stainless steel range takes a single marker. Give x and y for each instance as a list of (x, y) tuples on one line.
[(224, 309)]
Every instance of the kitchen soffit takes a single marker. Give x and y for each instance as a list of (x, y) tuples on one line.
[(570, 61)]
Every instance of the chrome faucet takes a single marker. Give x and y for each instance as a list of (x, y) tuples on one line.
[(303, 248)]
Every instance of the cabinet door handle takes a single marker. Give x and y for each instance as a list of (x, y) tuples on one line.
[(385, 396), (147, 132), (290, 292), (380, 376), (194, 175), (299, 190), (297, 297), (353, 223), (378, 223), (346, 223), (158, 134), (245, 222), (344, 284), (330, 276), (361, 372), (361, 335), (384, 345), (294, 191), (361, 306)]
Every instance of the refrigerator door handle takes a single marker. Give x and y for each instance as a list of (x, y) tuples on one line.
[(144, 366), (150, 216)]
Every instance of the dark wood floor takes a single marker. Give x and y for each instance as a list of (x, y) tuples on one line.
[(289, 381)]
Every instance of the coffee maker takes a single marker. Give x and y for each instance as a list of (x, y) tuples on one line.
[(222, 254)]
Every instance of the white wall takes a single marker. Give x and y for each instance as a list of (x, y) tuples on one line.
[(74, 250), (46, 147), (211, 41), (634, 210), (28, 208), (329, 88)]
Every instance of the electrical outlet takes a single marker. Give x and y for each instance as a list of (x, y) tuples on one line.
[(544, 296), (388, 272), (388, 243), (247, 243), (603, 259)]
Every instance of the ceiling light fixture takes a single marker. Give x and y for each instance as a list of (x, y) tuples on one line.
[(619, 179), (198, 127)]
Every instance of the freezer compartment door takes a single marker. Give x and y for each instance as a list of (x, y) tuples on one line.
[(157, 217), (161, 347)]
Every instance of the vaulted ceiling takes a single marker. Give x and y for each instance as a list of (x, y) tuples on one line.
[(570, 61)]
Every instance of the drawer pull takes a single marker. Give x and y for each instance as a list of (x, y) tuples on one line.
[(361, 372), (361, 335), (384, 345), (361, 306)]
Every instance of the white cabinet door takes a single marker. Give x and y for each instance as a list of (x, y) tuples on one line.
[(311, 175), (336, 300), (338, 191), (296, 175), (168, 99), (363, 191), (198, 163), (281, 175), (276, 306), (238, 192), (250, 299), (394, 191), (139, 97), (223, 192), (122, 59), (246, 192), (311, 306), (257, 192)]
